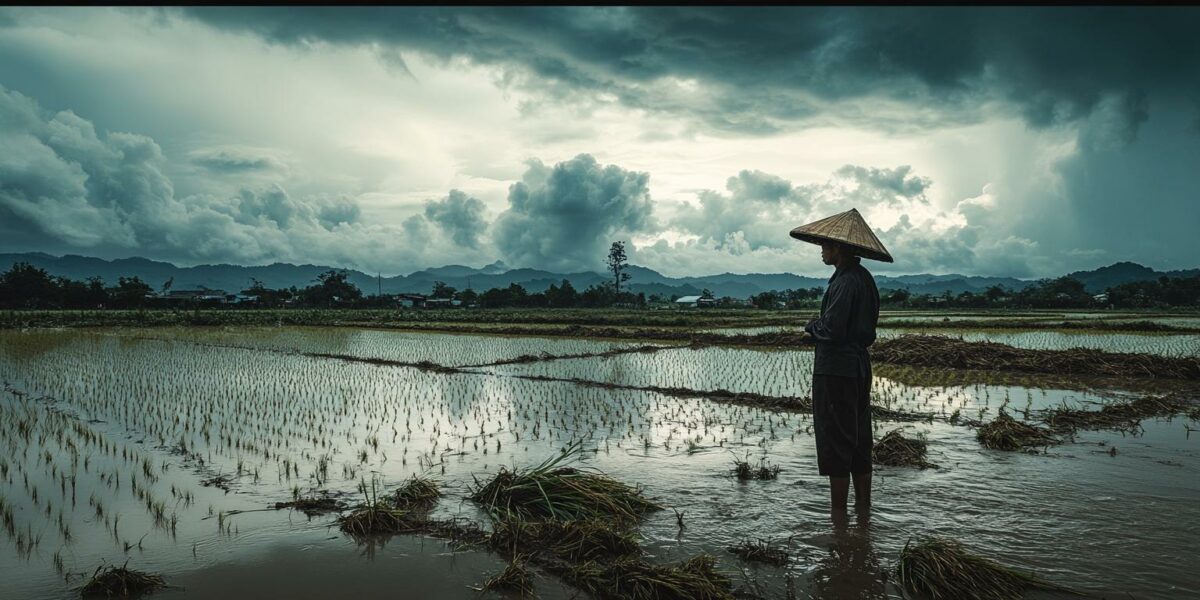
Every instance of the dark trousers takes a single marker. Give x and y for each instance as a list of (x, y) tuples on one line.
[(842, 421)]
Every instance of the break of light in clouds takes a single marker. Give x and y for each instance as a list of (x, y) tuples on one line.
[(1001, 141)]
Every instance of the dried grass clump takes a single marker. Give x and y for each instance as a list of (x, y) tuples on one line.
[(940, 569), (760, 551), (551, 491), (378, 518), (941, 351), (516, 577), (895, 450), (1007, 433), (120, 582), (417, 493)]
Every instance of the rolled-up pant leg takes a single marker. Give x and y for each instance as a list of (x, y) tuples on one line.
[(842, 421)]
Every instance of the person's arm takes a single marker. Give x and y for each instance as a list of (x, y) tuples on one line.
[(831, 326)]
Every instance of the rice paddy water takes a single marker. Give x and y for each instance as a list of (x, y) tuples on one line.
[(253, 462)]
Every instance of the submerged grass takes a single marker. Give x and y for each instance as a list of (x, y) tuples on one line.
[(1007, 433), (693, 579), (565, 541), (941, 569), (120, 582), (552, 491), (760, 551), (896, 450)]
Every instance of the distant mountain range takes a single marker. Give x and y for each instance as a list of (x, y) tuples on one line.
[(234, 278)]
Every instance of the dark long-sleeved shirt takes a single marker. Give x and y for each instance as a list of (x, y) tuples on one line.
[(846, 327)]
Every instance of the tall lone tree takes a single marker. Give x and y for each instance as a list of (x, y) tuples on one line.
[(616, 264)]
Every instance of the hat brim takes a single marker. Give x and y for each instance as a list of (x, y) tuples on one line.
[(859, 250)]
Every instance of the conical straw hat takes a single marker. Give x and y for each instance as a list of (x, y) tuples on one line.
[(847, 228)]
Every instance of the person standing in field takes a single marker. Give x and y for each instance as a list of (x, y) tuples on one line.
[(841, 388)]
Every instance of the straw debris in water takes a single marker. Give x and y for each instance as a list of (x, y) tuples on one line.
[(551, 491), (313, 505), (515, 577), (1121, 415), (760, 551), (895, 450), (120, 582), (941, 569), (1007, 433)]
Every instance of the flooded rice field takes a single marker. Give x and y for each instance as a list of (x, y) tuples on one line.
[(168, 448), (1166, 344)]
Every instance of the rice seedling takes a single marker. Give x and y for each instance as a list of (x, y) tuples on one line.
[(120, 582), (759, 551), (1007, 433), (551, 491), (744, 471), (896, 450), (942, 569)]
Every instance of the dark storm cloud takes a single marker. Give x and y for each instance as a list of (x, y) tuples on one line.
[(460, 216), (565, 217), (761, 67), (235, 160)]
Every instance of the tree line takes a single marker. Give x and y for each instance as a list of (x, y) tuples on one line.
[(26, 286)]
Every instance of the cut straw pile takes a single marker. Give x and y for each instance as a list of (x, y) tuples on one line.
[(1007, 433), (941, 569), (577, 525), (895, 450), (120, 582), (551, 491), (941, 351)]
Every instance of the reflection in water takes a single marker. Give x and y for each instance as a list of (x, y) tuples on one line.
[(851, 569)]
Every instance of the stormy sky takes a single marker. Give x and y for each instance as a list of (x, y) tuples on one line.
[(1013, 141)]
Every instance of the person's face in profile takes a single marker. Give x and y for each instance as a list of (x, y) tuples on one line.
[(830, 253)]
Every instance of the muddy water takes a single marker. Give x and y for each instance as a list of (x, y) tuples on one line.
[(116, 413)]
